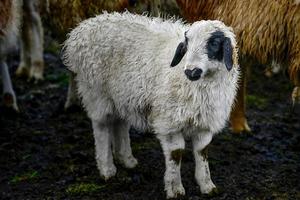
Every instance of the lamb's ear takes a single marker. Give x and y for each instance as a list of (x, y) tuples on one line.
[(228, 53), (179, 53)]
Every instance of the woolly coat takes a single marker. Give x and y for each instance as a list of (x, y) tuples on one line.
[(122, 63), (266, 29)]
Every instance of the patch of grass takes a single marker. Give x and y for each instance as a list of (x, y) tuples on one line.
[(83, 188), (257, 101), (54, 47), (62, 79), (142, 146), (28, 176)]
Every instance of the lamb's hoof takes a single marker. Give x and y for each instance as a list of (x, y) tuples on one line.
[(10, 101), (209, 189), (296, 100), (240, 126), (22, 71), (108, 173), (36, 71), (175, 191), (130, 162)]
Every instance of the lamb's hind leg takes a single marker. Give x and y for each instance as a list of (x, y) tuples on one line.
[(102, 134), (202, 173), (121, 144), (173, 147)]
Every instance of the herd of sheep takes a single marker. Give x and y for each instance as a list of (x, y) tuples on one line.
[(179, 80)]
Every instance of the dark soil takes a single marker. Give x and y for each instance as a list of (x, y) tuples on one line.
[(46, 153)]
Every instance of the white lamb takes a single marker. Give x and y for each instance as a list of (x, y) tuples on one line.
[(122, 63)]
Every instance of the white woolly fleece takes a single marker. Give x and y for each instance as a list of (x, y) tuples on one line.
[(122, 63)]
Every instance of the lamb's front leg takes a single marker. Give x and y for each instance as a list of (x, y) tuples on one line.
[(173, 147), (202, 173), (103, 135)]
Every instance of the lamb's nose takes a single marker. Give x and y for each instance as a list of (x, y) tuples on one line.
[(193, 74)]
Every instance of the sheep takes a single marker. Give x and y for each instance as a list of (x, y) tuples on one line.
[(267, 30), (32, 42), (123, 74), (9, 24)]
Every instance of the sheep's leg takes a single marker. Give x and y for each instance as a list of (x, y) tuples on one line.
[(9, 97), (36, 43), (72, 97), (202, 173), (238, 117), (173, 147), (23, 69), (121, 144), (102, 135)]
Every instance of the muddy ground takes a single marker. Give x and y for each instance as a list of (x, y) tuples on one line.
[(46, 153)]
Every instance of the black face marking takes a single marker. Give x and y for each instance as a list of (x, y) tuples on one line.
[(180, 52), (219, 48), (214, 46)]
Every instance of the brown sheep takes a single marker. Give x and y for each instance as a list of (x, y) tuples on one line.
[(9, 23), (267, 30)]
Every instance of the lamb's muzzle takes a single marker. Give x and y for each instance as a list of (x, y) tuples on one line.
[(193, 74)]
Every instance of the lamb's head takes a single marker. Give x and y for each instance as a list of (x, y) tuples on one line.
[(209, 46)]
